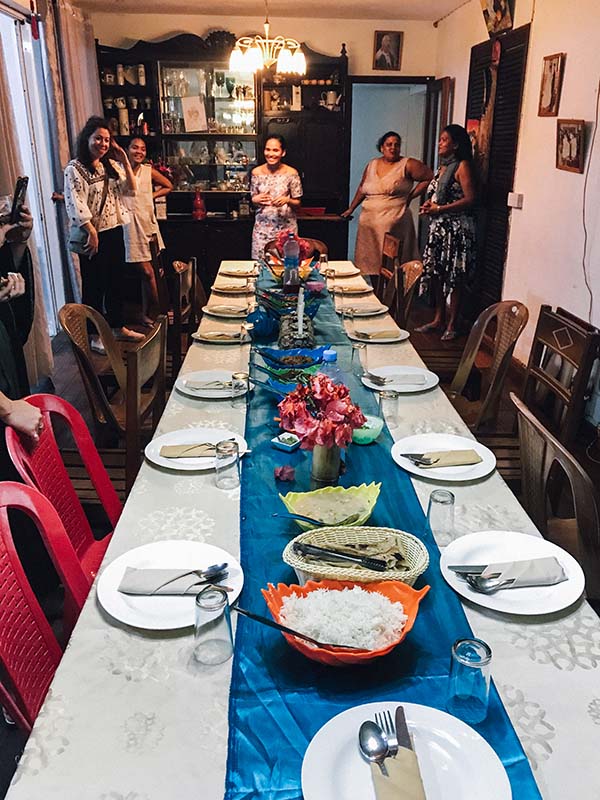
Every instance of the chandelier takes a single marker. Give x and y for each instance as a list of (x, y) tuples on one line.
[(252, 53)]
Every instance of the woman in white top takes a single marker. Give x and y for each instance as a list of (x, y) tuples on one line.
[(143, 223), (94, 188)]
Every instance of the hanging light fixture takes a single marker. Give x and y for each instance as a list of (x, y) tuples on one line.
[(252, 53)]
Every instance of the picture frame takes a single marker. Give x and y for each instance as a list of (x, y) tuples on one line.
[(551, 84), (194, 114), (570, 142), (387, 50), (498, 15)]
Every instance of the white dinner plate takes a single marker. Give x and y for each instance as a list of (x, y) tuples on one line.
[(222, 310), (342, 271), (368, 311), (206, 392), (456, 763), (431, 380), (230, 287), (352, 291), (190, 436), (241, 271), (162, 612), (428, 442), (206, 338), (498, 546), (401, 337)]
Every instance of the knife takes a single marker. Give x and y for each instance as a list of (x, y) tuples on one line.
[(402, 733)]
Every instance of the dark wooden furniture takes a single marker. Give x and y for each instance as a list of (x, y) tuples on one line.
[(396, 283), (541, 453)]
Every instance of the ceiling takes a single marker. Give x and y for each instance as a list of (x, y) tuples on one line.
[(346, 9)]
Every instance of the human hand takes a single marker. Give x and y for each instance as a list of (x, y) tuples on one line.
[(280, 201), (117, 152), (91, 247), (347, 214), (12, 286), (262, 199), (426, 208), (4, 231), (24, 418), (22, 230)]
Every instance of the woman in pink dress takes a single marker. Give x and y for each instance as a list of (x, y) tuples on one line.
[(387, 187)]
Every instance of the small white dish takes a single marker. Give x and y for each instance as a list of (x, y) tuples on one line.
[(162, 612), (456, 763), (190, 436), (401, 337), (428, 442), (431, 379), (487, 547), (206, 392)]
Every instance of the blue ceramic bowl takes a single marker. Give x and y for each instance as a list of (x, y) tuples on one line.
[(274, 357), (265, 326)]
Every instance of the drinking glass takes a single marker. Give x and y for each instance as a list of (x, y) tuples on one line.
[(358, 365), (227, 465), (323, 262), (220, 81), (440, 515), (230, 86), (388, 407), (469, 682), (239, 389), (213, 639)]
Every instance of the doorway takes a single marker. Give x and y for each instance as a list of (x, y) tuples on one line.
[(377, 106)]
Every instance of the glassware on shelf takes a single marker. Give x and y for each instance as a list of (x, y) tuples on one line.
[(230, 85), (220, 81)]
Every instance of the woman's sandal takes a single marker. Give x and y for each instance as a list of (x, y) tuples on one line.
[(449, 336), (430, 327)]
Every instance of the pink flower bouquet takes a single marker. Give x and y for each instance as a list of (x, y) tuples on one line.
[(322, 412)]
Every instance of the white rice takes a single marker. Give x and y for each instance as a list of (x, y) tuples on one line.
[(353, 617)]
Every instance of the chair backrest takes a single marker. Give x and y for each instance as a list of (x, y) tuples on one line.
[(40, 465), (164, 300), (29, 651), (540, 451), (146, 364), (558, 373), (410, 272), (510, 317)]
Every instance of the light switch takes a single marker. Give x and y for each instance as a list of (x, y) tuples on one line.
[(515, 200)]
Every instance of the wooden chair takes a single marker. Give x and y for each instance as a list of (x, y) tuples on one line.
[(385, 283), (541, 452), (133, 404), (180, 296), (510, 318)]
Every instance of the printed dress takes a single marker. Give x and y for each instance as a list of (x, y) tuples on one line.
[(384, 210), (269, 221), (450, 253)]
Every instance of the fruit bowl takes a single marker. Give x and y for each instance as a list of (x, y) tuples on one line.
[(336, 656), (336, 497)]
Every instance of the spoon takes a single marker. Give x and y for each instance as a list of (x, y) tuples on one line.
[(373, 744), (487, 585), (215, 572), (312, 521)]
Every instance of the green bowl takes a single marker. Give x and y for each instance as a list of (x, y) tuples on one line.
[(367, 494), (369, 431)]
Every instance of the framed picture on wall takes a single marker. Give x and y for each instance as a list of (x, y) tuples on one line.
[(569, 144), (387, 49), (552, 77), (497, 15)]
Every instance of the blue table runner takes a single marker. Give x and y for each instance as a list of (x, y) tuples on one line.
[(279, 699)]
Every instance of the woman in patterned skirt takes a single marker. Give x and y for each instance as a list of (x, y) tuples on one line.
[(276, 191), (449, 255)]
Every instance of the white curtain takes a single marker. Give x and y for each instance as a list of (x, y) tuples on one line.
[(38, 350), (79, 66)]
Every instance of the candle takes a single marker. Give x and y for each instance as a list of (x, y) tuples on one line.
[(300, 311)]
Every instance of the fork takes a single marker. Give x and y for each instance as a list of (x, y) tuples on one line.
[(378, 379), (385, 722)]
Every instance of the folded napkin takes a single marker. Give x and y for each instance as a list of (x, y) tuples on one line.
[(207, 384), (230, 287), (404, 782), (160, 581), (352, 289), (366, 309), (386, 334), (406, 379), (235, 310), (200, 450), (529, 572), (451, 458), (386, 549), (229, 335)]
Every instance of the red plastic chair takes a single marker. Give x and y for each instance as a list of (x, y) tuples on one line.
[(29, 651), (41, 466)]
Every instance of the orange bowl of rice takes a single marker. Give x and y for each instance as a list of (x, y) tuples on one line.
[(371, 618)]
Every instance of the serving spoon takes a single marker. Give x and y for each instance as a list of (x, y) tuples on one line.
[(373, 744)]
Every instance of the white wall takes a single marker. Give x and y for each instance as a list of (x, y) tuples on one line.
[(545, 249), (323, 35)]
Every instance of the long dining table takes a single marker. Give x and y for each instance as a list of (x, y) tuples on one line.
[(131, 716)]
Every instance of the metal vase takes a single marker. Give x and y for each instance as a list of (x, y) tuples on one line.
[(325, 469)]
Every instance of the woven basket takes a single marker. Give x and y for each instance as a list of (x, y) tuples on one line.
[(414, 551)]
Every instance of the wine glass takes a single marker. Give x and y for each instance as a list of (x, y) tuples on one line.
[(220, 81), (230, 85)]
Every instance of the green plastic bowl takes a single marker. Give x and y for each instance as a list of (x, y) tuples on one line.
[(369, 431), (368, 495)]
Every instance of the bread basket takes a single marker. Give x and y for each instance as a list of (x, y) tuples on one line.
[(414, 551)]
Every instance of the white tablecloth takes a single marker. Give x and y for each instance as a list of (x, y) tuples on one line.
[(129, 716)]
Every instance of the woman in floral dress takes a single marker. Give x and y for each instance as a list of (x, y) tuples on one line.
[(276, 191), (449, 255)]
